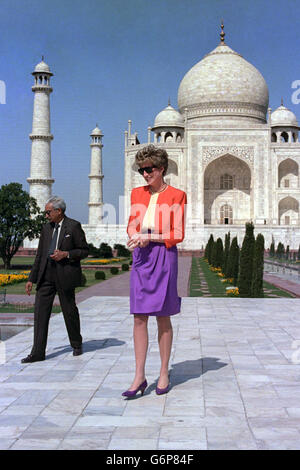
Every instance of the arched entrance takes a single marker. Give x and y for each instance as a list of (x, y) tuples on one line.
[(288, 211), (288, 174), (227, 191)]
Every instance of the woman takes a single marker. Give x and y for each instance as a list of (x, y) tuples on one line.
[(156, 225)]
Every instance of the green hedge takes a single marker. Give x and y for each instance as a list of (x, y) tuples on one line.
[(100, 275)]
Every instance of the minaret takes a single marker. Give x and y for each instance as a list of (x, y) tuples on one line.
[(96, 177), (40, 180)]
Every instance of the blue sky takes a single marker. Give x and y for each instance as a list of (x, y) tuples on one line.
[(115, 60)]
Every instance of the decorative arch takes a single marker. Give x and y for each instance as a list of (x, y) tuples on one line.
[(227, 189), (284, 137), (273, 137), (169, 137), (172, 168), (288, 174), (288, 211)]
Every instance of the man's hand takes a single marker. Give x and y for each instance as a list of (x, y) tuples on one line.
[(28, 287), (59, 255)]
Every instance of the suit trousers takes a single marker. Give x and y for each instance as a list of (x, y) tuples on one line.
[(42, 311)]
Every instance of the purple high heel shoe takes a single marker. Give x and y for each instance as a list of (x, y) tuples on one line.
[(132, 393), (162, 391)]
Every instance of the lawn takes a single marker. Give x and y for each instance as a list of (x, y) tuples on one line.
[(200, 270), (21, 308), (19, 288)]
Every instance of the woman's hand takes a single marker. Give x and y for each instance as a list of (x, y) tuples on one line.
[(138, 239)]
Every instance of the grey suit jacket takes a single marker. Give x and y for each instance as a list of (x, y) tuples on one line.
[(71, 239)]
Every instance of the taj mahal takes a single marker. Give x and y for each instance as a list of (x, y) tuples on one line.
[(236, 159)]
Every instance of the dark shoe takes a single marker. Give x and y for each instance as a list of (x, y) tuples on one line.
[(32, 358), (162, 391), (77, 351), (132, 393)]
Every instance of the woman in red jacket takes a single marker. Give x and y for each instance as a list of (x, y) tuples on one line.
[(156, 225)]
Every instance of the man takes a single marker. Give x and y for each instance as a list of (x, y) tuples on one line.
[(57, 269)]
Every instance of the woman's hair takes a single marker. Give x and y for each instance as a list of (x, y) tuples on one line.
[(57, 203), (157, 156)]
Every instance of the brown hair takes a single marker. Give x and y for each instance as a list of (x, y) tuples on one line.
[(157, 156)]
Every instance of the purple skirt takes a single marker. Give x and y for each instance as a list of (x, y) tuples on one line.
[(153, 281)]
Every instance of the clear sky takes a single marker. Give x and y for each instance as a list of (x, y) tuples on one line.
[(115, 60)]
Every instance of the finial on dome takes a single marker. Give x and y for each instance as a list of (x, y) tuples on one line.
[(222, 34), (42, 57), (281, 101), (169, 102)]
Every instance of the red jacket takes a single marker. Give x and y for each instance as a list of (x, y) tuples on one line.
[(169, 213)]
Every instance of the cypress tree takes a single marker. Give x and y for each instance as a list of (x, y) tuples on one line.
[(298, 254), (226, 252), (232, 269), (272, 249), (246, 262), (287, 253), (258, 267), (280, 250), (219, 253), (214, 254), (209, 247)]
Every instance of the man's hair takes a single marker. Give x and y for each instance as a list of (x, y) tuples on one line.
[(57, 203), (156, 155)]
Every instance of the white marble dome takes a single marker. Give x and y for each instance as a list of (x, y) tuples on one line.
[(282, 116), (42, 67), (169, 117), (223, 83)]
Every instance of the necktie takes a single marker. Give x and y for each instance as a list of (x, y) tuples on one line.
[(52, 246)]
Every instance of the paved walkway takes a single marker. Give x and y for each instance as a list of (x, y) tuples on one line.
[(234, 369), (283, 282)]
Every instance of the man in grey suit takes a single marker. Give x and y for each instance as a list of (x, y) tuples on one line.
[(57, 269)]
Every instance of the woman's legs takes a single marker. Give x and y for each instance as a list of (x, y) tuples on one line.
[(165, 338), (140, 337)]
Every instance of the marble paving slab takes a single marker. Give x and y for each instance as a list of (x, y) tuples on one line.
[(234, 369)]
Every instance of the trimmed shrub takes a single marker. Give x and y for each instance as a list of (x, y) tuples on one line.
[(232, 270), (114, 270), (272, 249), (246, 262), (105, 251), (125, 267), (122, 250), (219, 253), (258, 267), (93, 251), (226, 252), (208, 249), (100, 275)]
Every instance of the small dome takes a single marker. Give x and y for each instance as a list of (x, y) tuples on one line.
[(169, 117), (282, 116), (96, 131), (42, 67)]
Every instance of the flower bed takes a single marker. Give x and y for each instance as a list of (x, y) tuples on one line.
[(12, 278), (103, 261)]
